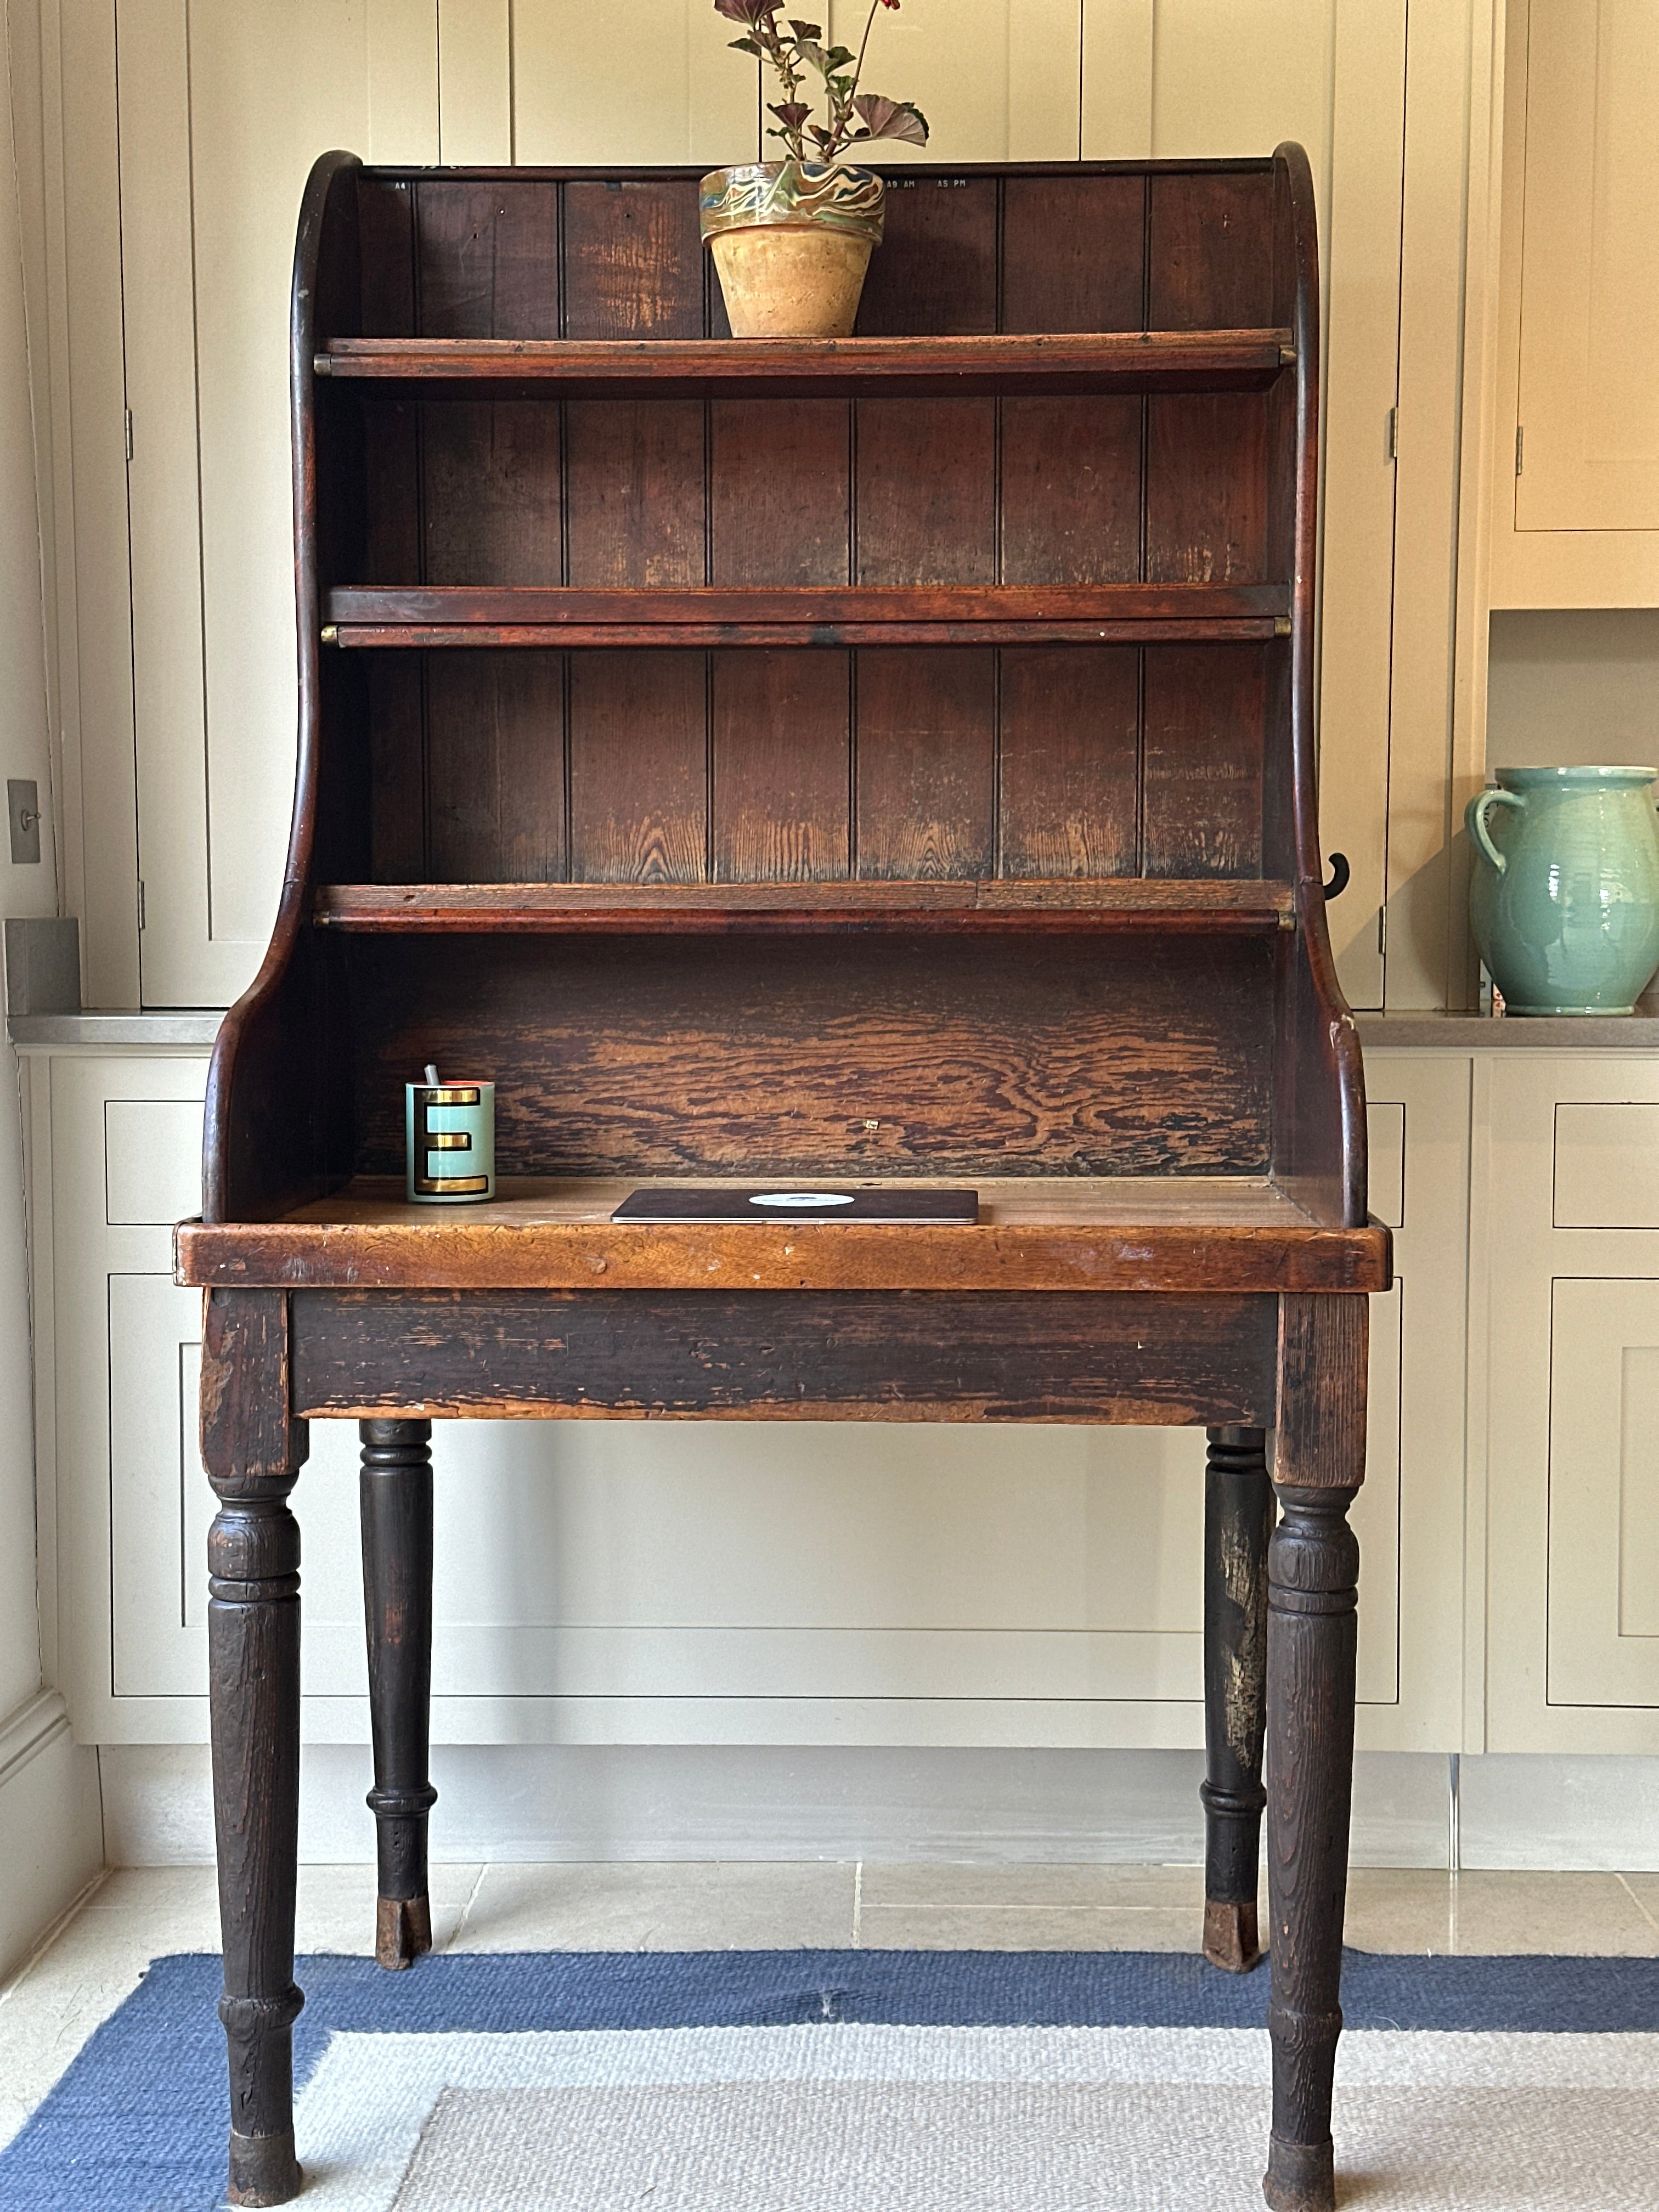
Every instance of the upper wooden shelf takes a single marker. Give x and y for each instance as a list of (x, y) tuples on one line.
[(827, 615), (763, 368), (1074, 903)]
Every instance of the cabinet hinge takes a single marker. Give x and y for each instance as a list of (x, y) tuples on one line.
[(141, 903), (1382, 932), (1394, 433), (1520, 448), (126, 417)]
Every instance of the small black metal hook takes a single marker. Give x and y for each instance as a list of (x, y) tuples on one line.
[(1340, 873)]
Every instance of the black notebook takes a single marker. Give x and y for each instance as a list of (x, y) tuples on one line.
[(769, 1202)]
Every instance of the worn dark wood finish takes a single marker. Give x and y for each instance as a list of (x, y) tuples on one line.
[(876, 600), (779, 493), (253, 1450), (1313, 1569), (1187, 627), (495, 770), (397, 1519), (782, 815), (639, 769), (1238, 1518), (694, 1054), (819, 368), (1079, 1239), (798, 847), (875, 759), (790, 1356), (936, 275)]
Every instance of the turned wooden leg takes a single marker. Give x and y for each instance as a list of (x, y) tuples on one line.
[(1238, 1512), (397, 1517), (253, 1451), (1313, 1567)]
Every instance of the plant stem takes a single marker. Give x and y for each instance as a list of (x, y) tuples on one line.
[(858, 66)]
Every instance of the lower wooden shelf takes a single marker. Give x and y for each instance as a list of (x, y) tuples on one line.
[(1221, 1235), (1121, 902)]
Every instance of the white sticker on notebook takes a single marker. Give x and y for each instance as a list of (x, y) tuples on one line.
[(801, 1198)]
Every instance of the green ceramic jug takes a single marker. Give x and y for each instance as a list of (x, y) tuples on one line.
[(1565, 896)]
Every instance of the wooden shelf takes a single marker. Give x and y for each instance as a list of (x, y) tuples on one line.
[(1219, 1235), (1121, 904), (829, 614), (713, 368)]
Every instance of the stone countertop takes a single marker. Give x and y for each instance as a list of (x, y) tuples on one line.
[(1402, 1032), (1457, 1032), (94, 1027)]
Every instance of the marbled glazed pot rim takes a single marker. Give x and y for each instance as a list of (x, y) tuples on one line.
[(793, 195), (1537, 778)]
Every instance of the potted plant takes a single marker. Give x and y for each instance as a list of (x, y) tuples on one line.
[(792, 238)]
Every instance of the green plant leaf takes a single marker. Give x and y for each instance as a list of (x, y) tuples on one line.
[(749, 46)]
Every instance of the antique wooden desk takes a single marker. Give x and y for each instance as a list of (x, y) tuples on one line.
[(888, 759)]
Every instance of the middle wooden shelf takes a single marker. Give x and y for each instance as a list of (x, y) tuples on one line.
[(813, 615), (1229, 905)]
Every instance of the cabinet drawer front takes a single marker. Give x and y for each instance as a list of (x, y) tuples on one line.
[(1606, 1165)]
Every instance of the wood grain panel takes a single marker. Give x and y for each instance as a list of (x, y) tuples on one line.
[(1211, 257), (805, 1355), (926, 754), (935, 271), (926, 491), (1206, 488), (1205, 733), (634, 492), (639, 768), (386, 229), (392, 482), (1066, 761), (891, 1055), (525, 251), (1071, 491), (633, 260), (397, 740), (495, 768), (487, 258), (780, 491), (454, 273), (781, 735), (1074, 253), (490, 497)]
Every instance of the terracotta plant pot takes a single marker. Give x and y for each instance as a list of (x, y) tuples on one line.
[(792, 241)]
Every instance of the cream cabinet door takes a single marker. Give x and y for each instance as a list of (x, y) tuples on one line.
[(1568, 1262), (1604, 1493), (1590, 268)]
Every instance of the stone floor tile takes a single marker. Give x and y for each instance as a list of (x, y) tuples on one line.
[(1482, 1912), (693, 1906), (922, 1883), (1029, 1928)]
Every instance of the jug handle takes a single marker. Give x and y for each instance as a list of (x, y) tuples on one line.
[(1475, 817)]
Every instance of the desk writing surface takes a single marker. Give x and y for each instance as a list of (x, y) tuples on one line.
[(1186, 1234), (1025, 1202)]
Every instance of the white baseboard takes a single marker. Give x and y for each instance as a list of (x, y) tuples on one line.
[(755, 1801), (1540, 1809), (50, 1826)]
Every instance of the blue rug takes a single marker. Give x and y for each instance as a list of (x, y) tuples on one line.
[(447, 2064)]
